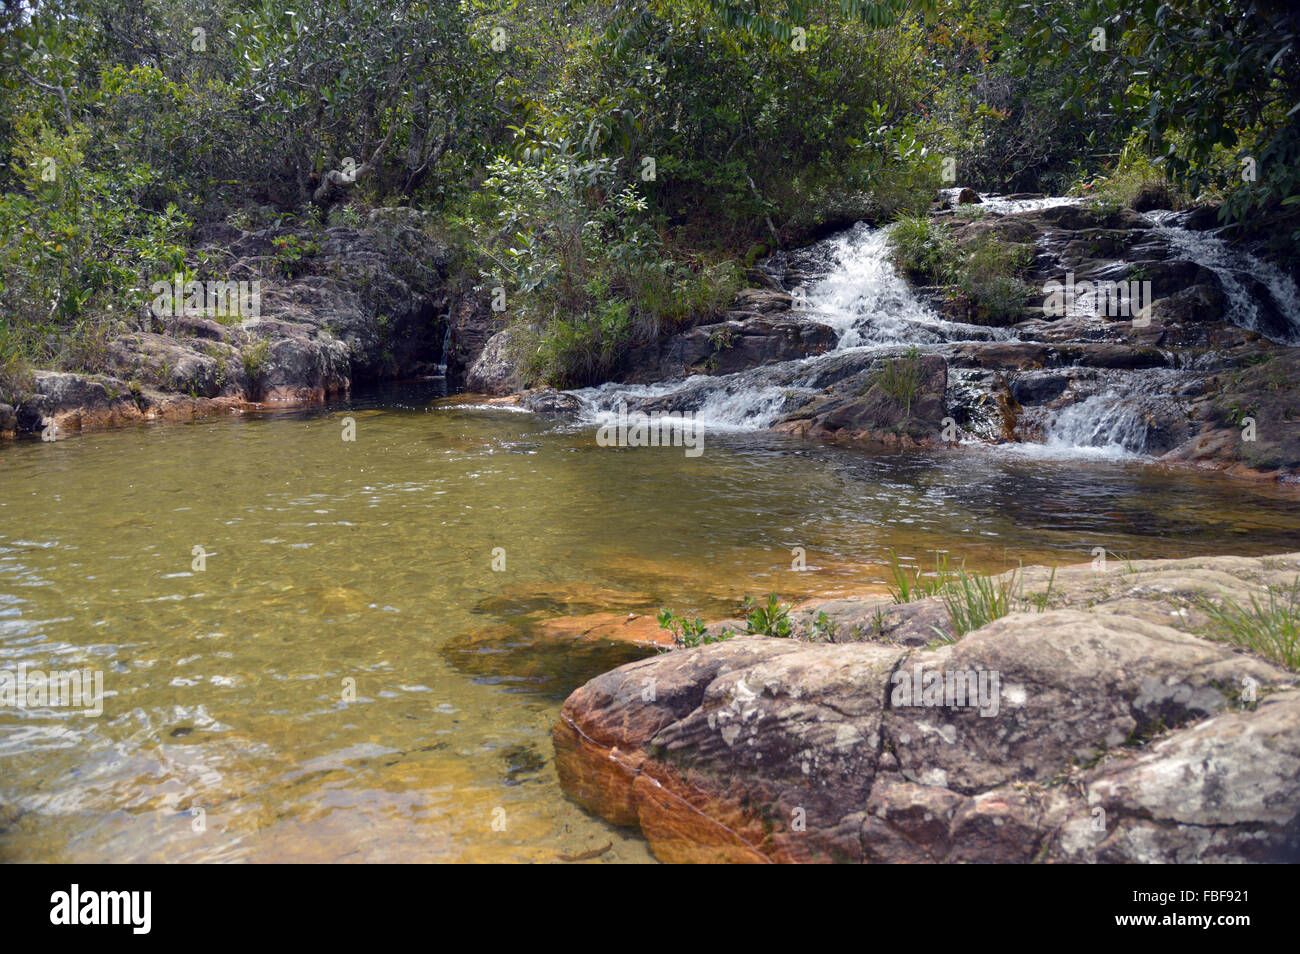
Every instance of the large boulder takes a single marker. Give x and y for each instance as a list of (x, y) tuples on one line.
[(1091, 731), (900, 400), (496, 369), (745, 340)]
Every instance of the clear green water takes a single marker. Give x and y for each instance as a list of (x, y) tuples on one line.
[(372, 561)]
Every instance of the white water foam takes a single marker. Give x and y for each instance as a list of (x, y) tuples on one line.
[(1004, 206), (722, 403), (867, 302), (1230, 265), (1101, 426)]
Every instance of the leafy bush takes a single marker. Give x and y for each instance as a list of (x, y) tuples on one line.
[(922, 249), (77, 251), (985, 270), (988, 274)]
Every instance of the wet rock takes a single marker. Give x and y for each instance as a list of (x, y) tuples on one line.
[(551, 401), (1203, 218), (550, 599), (75, 401), (743, 341), (637, 629), (521, 658), (1249, 418), (1193, 305), (900, 400), (496, 370)]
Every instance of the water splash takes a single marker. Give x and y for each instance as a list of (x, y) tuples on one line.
[(1007, 206), (1103, 425)]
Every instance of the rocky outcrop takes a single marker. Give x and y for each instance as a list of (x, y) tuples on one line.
[(470, 325), (740, 342), (900, 400), (1102, 727), (762, 327), (341, 308), (1181, 384)]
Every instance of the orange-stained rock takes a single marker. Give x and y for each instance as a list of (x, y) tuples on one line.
[(759, 749), (599, 777), (684, 834), (622, 627)]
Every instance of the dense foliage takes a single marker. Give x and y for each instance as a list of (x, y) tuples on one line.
[(611, 165)]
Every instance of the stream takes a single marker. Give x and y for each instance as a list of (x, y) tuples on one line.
[(350, 672)]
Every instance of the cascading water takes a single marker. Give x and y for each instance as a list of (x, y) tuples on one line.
[(848, 283), (867, 302), (1260, 296), (852, 288), (1103, 425), (1005, 205)]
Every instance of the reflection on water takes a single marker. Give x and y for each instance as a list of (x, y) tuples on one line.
[(348, 678)]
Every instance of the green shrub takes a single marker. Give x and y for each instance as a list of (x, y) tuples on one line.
[(989, 275), (769, 618), (900, 378), (922, 249), (688, 633), (986, 271)]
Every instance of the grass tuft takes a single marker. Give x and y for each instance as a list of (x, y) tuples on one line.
[(1270, 628)]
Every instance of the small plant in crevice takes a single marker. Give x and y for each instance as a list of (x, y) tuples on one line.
[(972, 600), (901, 378), (688, 633), (768, 618), (255, 359), (823, 629)]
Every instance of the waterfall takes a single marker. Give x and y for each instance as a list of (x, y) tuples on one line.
[(864, 299), (1102, 425), (848, 283), (1242, 277), (850, 286)]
